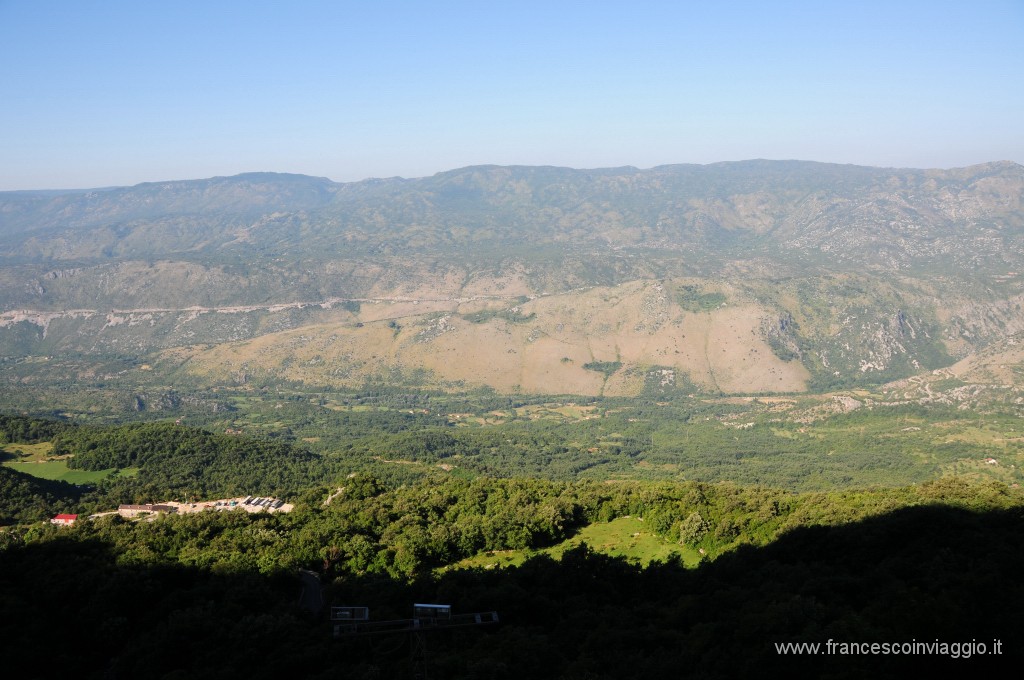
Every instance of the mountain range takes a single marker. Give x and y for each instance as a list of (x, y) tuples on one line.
[(744, 277)]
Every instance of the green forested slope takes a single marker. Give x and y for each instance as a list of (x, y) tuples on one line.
[(207, 595)]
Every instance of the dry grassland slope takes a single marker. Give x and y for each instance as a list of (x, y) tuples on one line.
[(540, 346)]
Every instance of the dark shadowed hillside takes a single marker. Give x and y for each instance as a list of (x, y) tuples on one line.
[(932, 575)]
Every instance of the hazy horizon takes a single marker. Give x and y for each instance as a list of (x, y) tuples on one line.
[(125, 93), (478, 165)]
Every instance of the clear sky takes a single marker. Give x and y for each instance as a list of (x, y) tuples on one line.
[(105, 92)]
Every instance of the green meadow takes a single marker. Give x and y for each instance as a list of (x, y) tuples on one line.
[(35, 460), (625, 537)]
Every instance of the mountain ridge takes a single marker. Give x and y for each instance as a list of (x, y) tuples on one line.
[(1005, 163), (858, 274)]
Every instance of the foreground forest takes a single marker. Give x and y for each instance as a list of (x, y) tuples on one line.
[(744, 567), (926, 573)]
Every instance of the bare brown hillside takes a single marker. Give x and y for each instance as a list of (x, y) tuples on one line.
[(541, 345)]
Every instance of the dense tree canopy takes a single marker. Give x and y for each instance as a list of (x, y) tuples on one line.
[(932, 561)]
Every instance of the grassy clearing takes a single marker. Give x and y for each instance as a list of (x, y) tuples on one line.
[(627, 537), (35, 460), (57, 470), (623, 537), (29, 453)]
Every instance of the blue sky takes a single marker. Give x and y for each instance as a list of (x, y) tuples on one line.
[(115, 93)]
